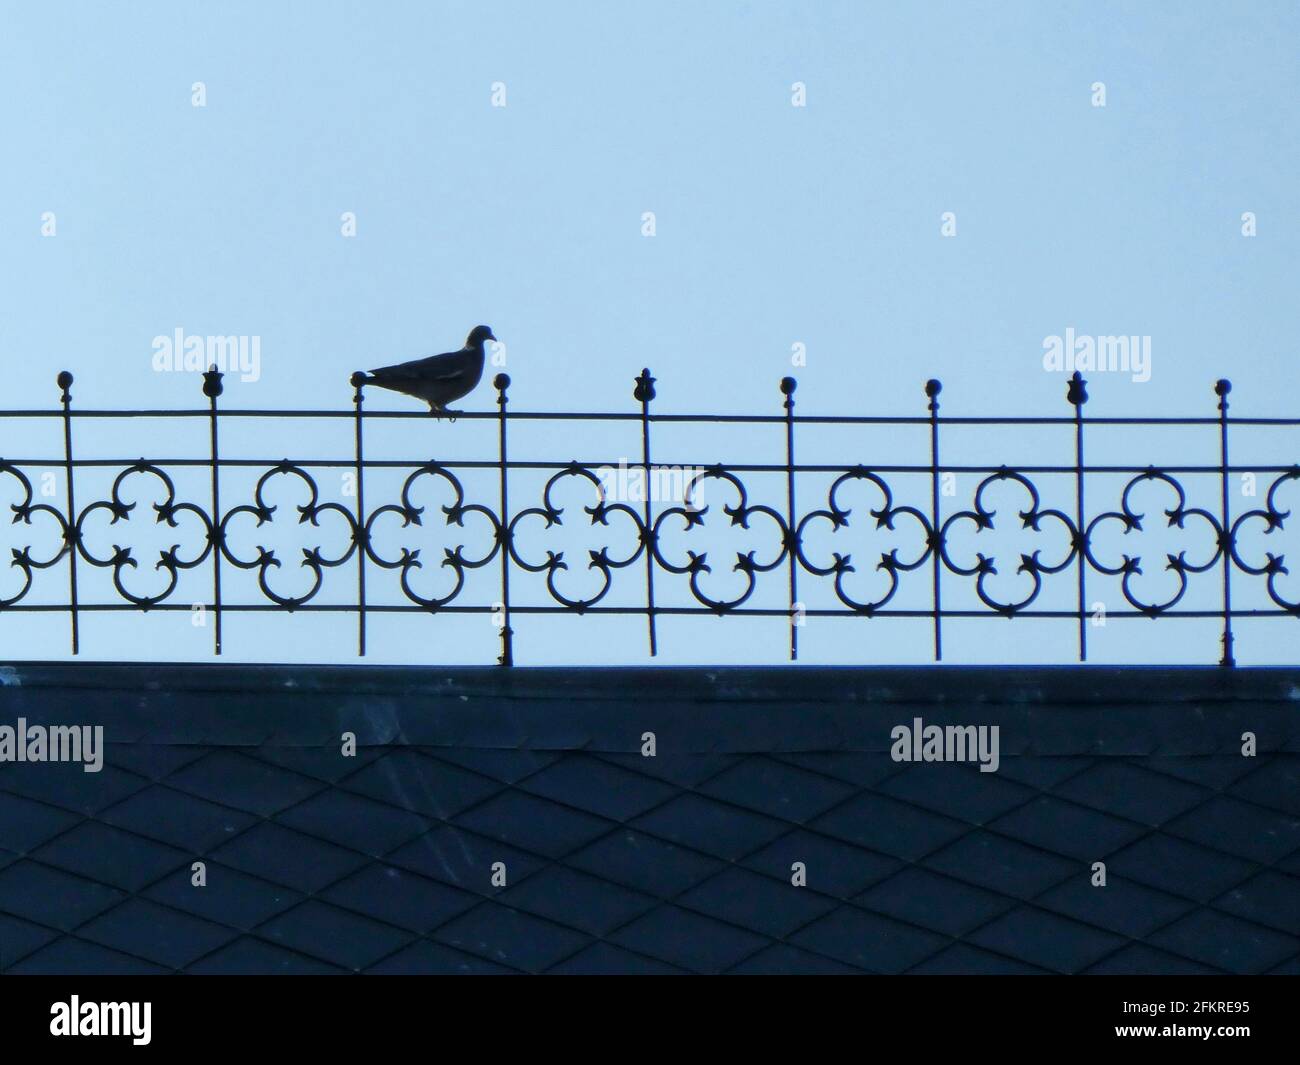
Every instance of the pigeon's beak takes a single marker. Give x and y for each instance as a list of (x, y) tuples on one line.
[(492, 338)]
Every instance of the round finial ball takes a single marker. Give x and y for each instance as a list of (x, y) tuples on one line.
[(358, 379), (788, 385), (933, 388), (1222, 387), (65, 380), (501, 382)]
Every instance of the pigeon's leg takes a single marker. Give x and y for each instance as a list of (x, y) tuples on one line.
[(435, 410), (451, 414)]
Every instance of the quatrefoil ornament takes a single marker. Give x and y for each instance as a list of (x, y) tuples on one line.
[(1032, 518), (167, 513), (314, 560)]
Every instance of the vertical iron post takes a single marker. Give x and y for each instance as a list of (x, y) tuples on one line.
[(362, 540), (644, 392), (1077, 394), (72, 537), (932, 390), (1221, 389), (788, 385), (212, 388), (501, 382)]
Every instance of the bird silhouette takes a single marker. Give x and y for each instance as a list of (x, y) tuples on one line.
[(439, 379)]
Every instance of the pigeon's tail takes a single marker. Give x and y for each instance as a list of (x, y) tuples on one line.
[(394, 379), (384, 375)]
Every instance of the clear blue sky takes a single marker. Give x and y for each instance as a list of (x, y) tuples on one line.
[(775, 225)]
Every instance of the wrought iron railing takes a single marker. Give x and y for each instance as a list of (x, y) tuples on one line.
[(946, 534)]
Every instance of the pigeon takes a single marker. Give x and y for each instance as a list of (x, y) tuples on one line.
[(439, 379)]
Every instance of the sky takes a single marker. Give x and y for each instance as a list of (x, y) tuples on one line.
[(951, 193)]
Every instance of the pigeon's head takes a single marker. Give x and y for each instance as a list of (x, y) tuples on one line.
[(478, 335)]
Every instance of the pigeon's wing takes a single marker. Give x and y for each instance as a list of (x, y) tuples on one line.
[(447, 366), (437, 380)]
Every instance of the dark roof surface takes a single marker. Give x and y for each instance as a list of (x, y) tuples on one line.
[(616, 862)]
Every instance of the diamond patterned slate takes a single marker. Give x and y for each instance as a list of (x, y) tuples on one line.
[(435, 849)]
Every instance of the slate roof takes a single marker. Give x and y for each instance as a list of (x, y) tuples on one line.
[(619, 863)]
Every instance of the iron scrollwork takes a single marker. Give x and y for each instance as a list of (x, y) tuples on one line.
[(927, 543)]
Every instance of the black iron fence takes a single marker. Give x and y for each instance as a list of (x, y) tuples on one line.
[(946, 535)]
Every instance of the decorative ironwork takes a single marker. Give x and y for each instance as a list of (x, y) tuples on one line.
[(1064, 544)]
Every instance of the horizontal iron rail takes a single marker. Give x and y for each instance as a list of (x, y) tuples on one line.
[(613, 464), (616, 416), (681, 611)]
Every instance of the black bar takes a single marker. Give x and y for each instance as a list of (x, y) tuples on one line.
[(1016, 1016)]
